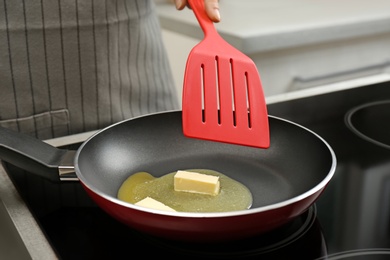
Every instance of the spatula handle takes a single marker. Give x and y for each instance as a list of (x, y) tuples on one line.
[(205, 23)]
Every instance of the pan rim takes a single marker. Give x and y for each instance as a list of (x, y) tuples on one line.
[(250, 211)]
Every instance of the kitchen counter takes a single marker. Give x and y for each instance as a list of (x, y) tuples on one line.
[(295, 44), (20, 235), (254, 25)]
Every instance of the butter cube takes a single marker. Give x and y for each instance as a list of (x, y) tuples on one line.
[(149, 202), (196, 183)]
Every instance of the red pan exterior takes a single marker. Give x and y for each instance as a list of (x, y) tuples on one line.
[(204, 229)]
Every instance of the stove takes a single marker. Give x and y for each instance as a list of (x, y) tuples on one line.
[(351, 219)]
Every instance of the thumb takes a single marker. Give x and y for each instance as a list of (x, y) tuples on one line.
[(212, 10)]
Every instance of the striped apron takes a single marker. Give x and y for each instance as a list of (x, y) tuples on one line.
[(70, 66)]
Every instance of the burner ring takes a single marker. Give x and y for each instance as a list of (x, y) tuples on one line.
[(273, 241), (370, 122), (351, 254)]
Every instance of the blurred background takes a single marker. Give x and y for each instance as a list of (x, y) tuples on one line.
[(296, 44)]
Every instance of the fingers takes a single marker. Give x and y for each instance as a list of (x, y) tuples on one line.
[(211, 7), (180, 4), (212, 10)]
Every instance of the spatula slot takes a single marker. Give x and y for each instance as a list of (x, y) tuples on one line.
[(217, 90), (232, 91), (247, 100), (202, 91)]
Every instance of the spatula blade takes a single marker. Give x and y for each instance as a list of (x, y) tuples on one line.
[(224, 102)]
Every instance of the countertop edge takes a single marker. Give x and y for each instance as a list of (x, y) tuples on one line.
[(269, 40), (32, 236)]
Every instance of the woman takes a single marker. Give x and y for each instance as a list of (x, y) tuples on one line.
[(72, 66)]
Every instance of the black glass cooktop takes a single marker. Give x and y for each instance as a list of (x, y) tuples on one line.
[(351, 219)]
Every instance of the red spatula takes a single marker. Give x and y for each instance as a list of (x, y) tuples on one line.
[(223, 98)]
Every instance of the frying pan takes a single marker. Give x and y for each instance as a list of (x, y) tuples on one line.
[(285, 179)]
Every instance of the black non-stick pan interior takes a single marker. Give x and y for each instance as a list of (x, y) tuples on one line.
[(296, 162)]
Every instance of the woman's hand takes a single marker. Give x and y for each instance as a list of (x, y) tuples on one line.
[(211, 6)]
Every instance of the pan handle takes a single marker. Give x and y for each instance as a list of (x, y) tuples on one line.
[(32, 154)]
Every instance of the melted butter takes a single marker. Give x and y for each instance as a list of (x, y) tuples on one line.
[(233, 195)]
